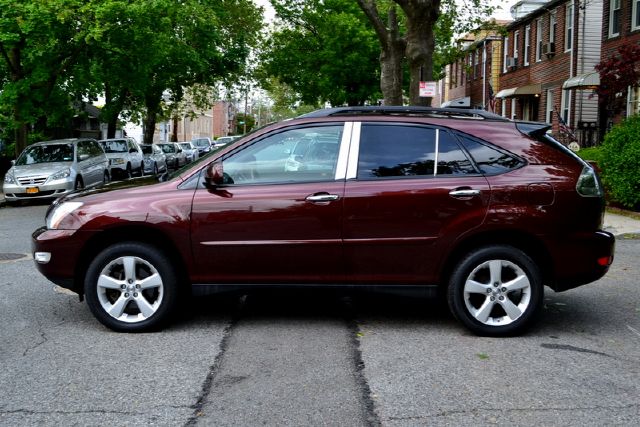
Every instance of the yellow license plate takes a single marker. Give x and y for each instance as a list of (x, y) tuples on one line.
[(33, 190)]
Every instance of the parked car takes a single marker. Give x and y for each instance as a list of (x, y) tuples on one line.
[(204, 145), (223, 140), (50, 169), (154, 159), (174, 154), (125, 156), (466, 204), (190, 151)]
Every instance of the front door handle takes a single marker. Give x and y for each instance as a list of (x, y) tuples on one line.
[(323, 197), (464, 192)]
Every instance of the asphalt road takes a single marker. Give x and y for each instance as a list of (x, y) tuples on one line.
[(314, 359)]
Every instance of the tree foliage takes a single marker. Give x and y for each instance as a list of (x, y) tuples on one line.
[(617, 73), (324, 51), (620, 162), (140, 54)]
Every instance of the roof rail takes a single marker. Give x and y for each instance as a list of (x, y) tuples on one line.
[(457, 113)]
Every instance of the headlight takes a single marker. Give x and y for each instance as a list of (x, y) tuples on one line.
[(117, 161), (56, 216), (64, 173), (9, 178)]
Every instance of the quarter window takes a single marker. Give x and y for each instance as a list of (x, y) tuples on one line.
[(409, 151), (295, 155), (489, 160)]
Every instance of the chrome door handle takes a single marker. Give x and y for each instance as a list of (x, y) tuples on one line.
[(315, 198), (467, 192)]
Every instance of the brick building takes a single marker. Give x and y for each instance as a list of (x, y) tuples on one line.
[(621, 26), (548, 63)]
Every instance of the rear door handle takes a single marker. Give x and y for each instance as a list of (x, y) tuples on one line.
[(464, 192), (324, 197)]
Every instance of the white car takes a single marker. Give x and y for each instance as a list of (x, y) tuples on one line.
[(190, 151), (125, 156)]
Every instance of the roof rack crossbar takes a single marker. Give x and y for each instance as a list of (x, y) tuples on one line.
[(406, 111)]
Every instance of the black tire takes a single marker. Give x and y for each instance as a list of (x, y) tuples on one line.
[(142, 168), (105, 178), (79, 185), (135, 308), (480, 299), (128, 173), (155, 169)]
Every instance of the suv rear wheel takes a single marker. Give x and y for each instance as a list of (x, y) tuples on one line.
[(131, 287), (496, 291)]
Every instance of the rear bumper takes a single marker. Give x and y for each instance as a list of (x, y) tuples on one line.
[(581, 258)]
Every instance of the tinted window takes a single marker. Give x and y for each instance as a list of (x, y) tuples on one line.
[(295, 155), (96, 149), (84, 148), (147, 149), (489, 160), (392, 150), (46, 154)]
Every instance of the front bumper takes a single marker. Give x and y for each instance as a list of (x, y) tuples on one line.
[(65, 256), (16, 192)]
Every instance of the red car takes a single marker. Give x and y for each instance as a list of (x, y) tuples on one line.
[(484, 210)]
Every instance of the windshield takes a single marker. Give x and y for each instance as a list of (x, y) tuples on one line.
[(203, 142), (46, 154), (186, 145), (118, 146), (168, 148)]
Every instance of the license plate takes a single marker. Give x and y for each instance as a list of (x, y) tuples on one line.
[(33, 190)]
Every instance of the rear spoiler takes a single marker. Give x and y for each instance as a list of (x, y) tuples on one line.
[(533, 129)]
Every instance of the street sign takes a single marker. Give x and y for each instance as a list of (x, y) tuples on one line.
[(427, 89)]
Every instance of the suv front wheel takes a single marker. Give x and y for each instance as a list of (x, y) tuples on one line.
[(496, 291), (131, 287)]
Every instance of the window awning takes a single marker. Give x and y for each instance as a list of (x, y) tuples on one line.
[(520, 91), (583, 81)]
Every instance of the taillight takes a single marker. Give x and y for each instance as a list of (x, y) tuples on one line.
[(588, 184)]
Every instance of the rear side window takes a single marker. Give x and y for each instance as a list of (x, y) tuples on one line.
[(408, 151), (489, 160)]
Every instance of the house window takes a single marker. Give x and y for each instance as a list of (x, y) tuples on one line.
[(505, 54), (553, 26), (516, 40), (503, 107), (549, 115), (614, 18), (513, 108), (568, 28), (633, 101), (565, 104), (527, 44), (477, 64), (635, 15), (539, 40), (470, 66)]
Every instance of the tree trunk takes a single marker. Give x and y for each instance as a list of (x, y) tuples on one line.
[(392, 51), (421, 18), (149, 121)]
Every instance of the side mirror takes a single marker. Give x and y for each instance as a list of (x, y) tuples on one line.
[(13, 162), (83, 157), (214, 175)]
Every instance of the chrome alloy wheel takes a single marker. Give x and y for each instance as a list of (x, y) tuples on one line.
[(497, 292), (130, 289)]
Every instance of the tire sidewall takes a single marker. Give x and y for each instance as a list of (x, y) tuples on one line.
[(153, 256), (464, 268)]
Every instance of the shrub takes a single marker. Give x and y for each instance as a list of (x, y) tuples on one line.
[(592, 154), (620, 162)]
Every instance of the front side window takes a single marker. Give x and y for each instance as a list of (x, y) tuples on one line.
[(295, 155), (388, 151), (614, 18), (568, 28)]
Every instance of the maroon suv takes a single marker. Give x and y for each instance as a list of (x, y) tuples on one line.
[(461, 203)]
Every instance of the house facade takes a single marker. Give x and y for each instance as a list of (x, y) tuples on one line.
[(548, 68)]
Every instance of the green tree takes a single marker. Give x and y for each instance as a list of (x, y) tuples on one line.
[(40, 42), (324, 51)]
